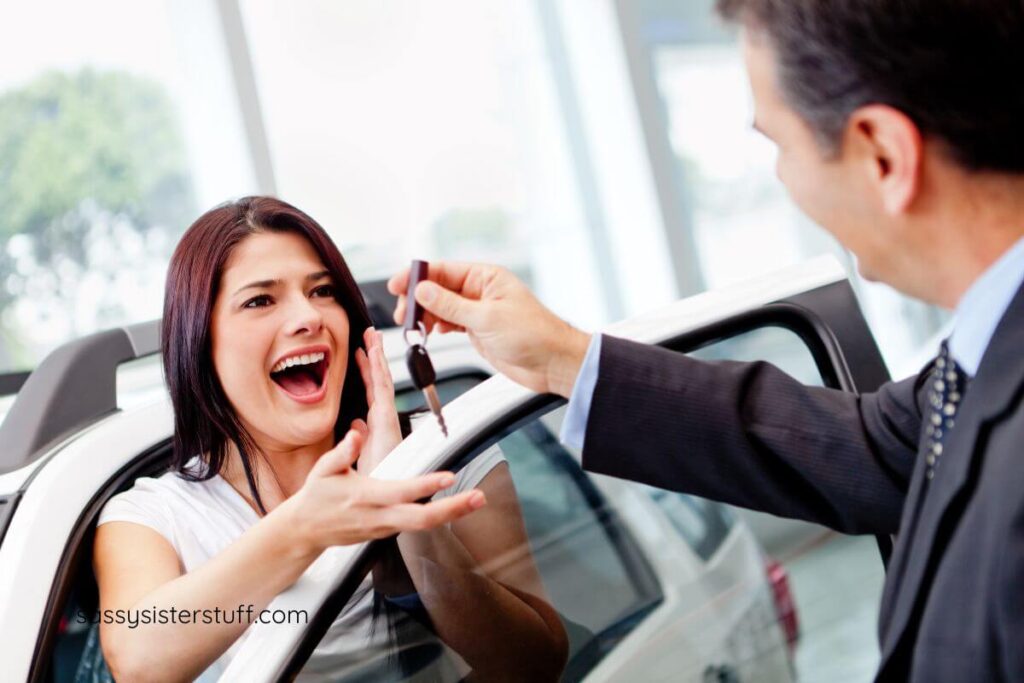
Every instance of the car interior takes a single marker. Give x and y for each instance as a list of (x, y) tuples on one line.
[(68, 648)]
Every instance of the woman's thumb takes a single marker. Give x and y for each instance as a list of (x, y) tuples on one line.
[(448, 305), (339, 459)]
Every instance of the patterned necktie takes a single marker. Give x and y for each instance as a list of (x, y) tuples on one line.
[(944, 396)]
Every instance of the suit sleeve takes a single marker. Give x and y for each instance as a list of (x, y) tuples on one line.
[(750, 435)]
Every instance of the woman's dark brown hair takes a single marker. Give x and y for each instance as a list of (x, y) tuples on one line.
[(204, 421)]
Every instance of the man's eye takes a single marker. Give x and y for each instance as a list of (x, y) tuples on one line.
[(262, 297)]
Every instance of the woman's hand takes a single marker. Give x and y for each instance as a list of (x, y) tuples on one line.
[(339, 506), (381, 429)]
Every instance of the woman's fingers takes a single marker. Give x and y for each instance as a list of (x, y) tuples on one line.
[(383, 384), (373, 366), (391, 492), (370, 336), (339, 459), (364, 370), (418, 517), (361, 427)]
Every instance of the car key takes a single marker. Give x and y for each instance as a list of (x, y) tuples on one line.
[(421, 369)]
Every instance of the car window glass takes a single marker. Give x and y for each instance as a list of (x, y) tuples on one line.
[(548, 600), (704, 524), (776, 345), (828, 586), (608, 562)]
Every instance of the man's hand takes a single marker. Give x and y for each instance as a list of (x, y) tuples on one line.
[(506, 324)]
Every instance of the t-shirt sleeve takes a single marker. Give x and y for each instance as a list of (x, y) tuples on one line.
[(143, 505), (470, 476)]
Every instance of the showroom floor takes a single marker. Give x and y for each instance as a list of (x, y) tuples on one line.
[(837, 584)]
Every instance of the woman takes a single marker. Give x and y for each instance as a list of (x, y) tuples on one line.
[(262, 325)]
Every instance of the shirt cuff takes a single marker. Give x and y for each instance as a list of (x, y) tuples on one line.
[(574, 426)]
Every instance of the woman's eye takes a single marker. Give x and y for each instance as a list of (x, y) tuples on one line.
[(325, 290), (262, 297)]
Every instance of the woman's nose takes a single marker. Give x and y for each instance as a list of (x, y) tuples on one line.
[(304, 316)]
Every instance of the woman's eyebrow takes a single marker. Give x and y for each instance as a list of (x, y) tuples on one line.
[(264, 284), (259, 285)]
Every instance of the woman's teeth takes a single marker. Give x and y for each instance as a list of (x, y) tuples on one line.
[(305, 359)]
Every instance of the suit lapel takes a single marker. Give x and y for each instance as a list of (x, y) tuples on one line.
[(990, 393), (901, 551)]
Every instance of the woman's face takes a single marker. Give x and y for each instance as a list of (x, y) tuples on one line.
[(276, 301)]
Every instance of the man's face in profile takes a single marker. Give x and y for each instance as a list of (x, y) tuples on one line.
[(831, 189)]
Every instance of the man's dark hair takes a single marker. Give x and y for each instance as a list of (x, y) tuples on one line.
[(954, 67)]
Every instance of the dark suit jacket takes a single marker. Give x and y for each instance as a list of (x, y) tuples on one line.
[(747, 434)]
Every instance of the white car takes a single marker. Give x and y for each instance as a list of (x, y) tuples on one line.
[(650, 585)]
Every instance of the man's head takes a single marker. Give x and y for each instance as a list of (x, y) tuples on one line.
[(891, 119)]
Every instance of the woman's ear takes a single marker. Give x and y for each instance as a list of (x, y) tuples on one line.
[(888, 147)]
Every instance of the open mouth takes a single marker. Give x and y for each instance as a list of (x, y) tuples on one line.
[(302, 379)]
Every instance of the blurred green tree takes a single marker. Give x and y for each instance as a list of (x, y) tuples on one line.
[(85, 158)]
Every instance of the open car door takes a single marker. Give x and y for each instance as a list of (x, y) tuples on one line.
[(643, 584)]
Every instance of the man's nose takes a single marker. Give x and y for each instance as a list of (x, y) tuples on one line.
[(303, 316)]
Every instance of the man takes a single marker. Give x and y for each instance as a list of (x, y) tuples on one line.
[(900, 129)]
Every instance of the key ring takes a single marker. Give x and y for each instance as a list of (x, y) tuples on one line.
[(421, 328)]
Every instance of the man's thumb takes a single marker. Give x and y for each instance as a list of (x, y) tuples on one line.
[(447, 305)]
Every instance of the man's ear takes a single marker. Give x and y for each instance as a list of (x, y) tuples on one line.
[(891, 148)]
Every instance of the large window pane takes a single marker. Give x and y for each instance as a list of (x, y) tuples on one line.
[(742, 220), (425, 129), (117, 125)]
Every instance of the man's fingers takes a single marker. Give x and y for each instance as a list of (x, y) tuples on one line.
[(449, 274), (390, 492), (398, 282), (339, 459), (461, 278), (445, 328), (418, 517), (448, 306), (428, 318)]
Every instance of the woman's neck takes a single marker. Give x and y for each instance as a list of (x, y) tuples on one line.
[(279, 473)]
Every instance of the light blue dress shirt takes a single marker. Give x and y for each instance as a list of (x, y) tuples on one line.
[(983, 306), (574, 426), (975, 320)]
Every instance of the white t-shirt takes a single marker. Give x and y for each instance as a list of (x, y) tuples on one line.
[(202, 518)]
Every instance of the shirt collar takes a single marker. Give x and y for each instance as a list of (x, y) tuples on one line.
[(982, 307)]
